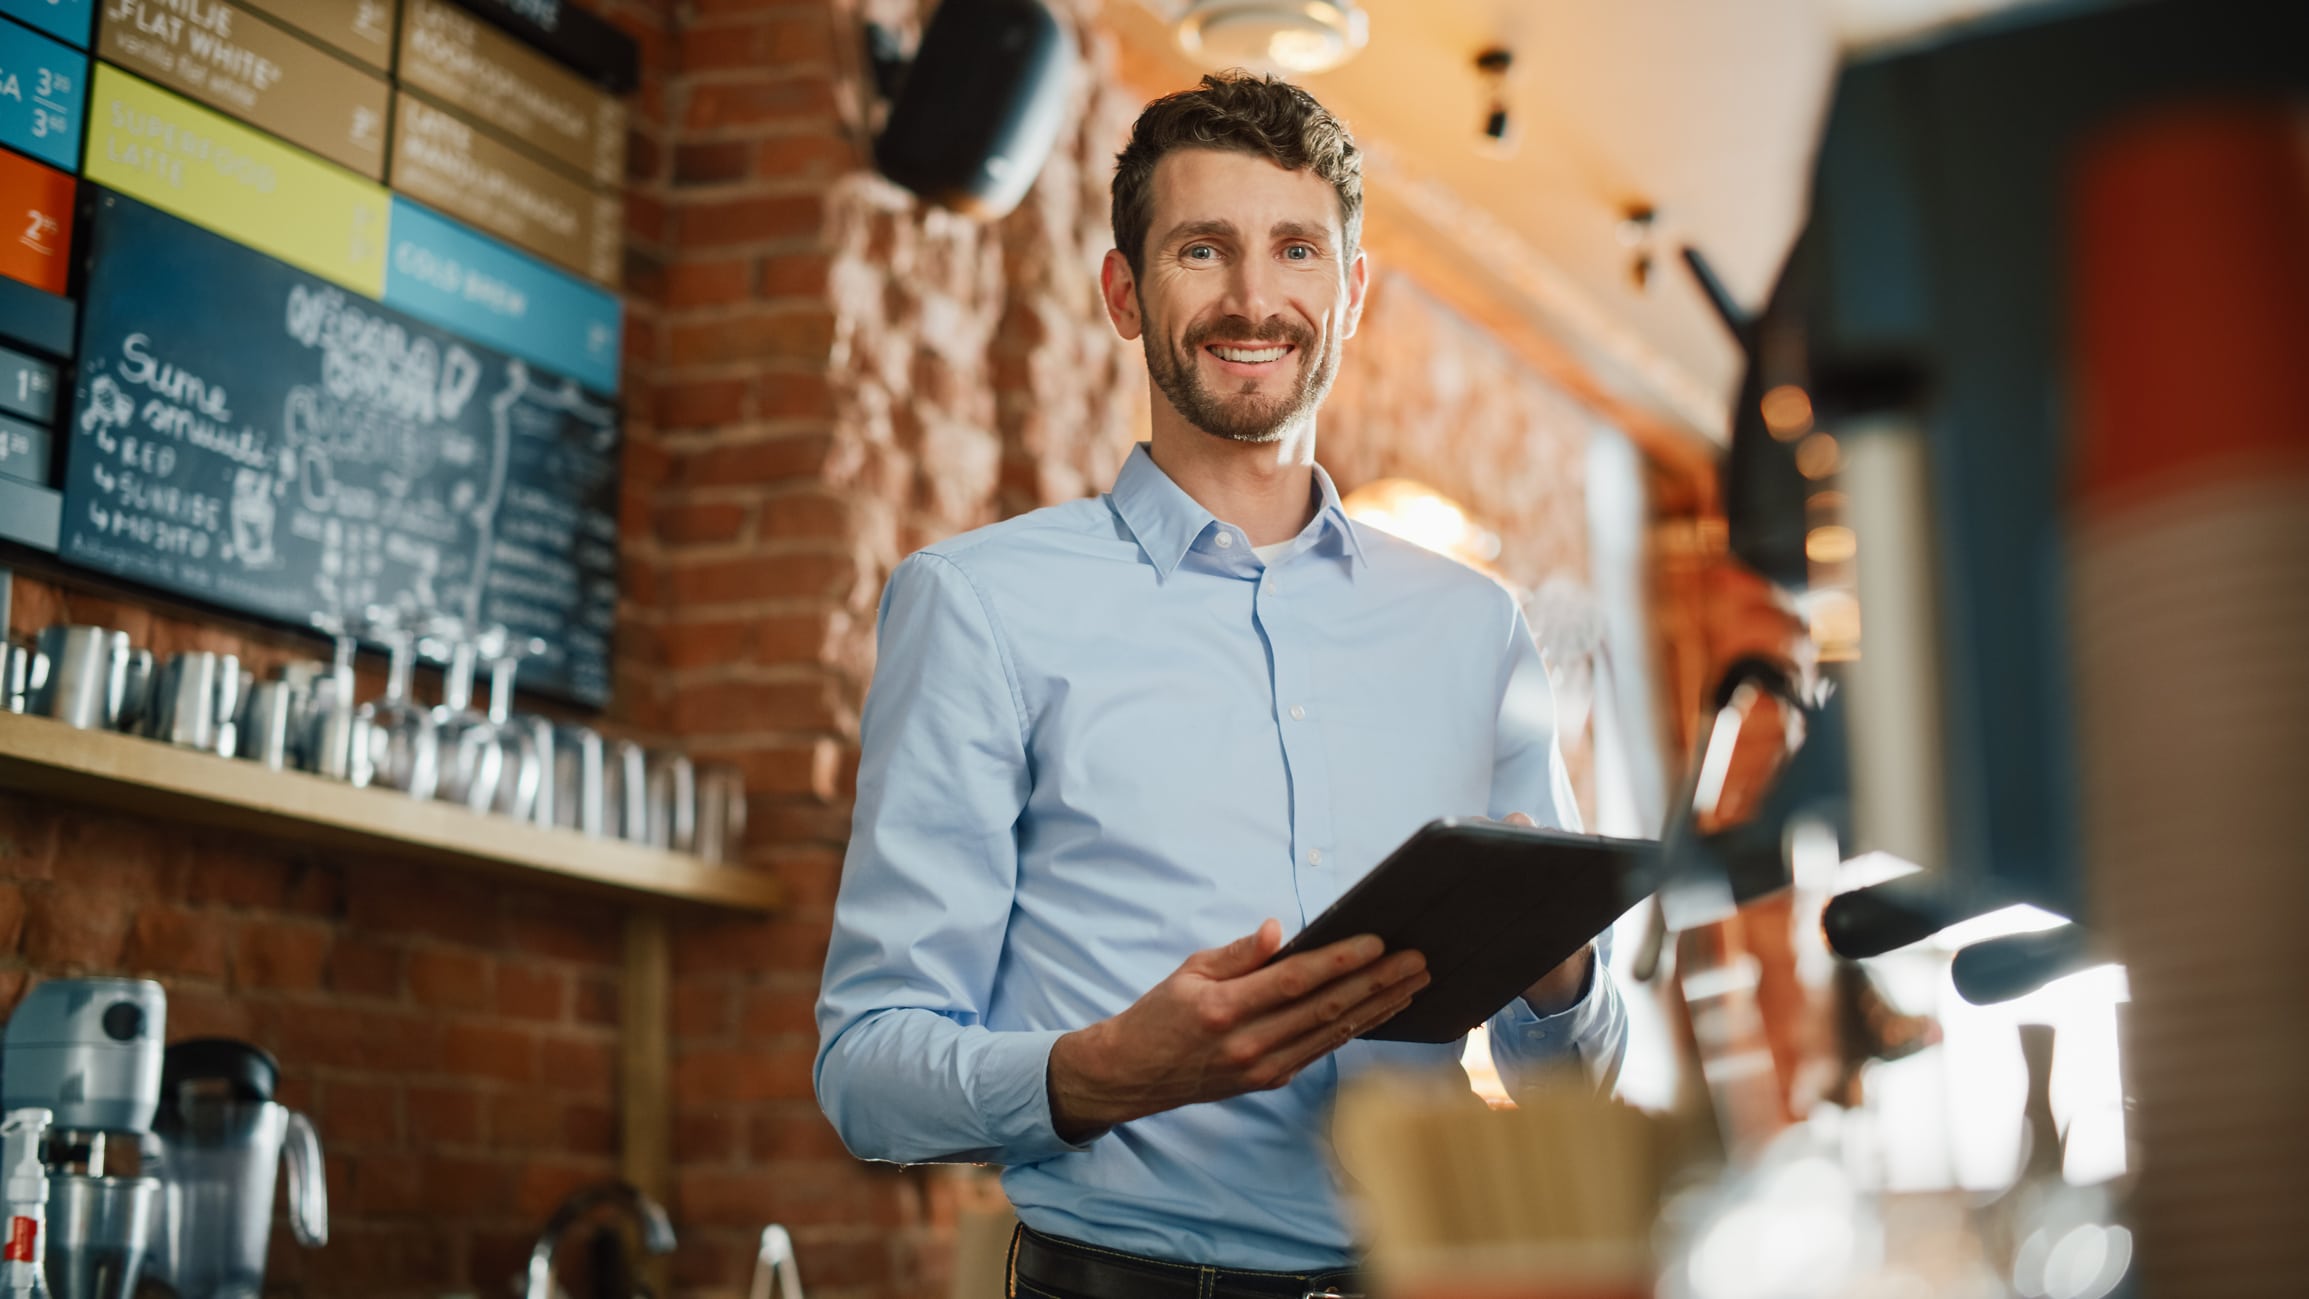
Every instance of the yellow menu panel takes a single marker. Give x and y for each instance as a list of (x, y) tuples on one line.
[(240, 183)]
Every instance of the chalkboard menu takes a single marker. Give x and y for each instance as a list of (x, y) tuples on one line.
[(250, 435)]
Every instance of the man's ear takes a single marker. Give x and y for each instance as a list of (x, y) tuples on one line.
[(1119, 288), (1358, 280)]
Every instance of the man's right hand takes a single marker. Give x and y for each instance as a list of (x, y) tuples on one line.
[(1225, 1023)]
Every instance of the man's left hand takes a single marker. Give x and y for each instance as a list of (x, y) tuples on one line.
[(1557, 990)]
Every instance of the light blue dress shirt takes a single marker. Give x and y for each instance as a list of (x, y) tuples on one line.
[(1105, 735)]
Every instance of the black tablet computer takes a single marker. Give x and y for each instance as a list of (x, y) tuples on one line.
[(1492, 906)]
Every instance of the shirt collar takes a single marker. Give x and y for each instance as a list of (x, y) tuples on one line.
[(1166, 522)]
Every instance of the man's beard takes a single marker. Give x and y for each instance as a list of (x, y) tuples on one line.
[(1243, 416)]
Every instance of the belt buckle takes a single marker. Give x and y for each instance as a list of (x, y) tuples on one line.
[(1330, 1292)]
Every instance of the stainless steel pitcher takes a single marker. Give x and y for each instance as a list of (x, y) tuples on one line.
[(95, 679)]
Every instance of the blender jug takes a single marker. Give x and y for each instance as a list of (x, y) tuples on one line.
[(219, 1138)]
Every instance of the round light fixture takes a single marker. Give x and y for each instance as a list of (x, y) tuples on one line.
[(1289, 35)]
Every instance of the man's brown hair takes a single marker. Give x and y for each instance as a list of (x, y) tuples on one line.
[(1245, 113)]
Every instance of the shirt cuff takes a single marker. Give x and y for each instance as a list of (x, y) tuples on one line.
[(1014, 1096), (1587, 1033)]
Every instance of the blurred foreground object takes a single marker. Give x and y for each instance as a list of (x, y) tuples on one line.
[(976, 111), (2189, 534), (1554, 1199)]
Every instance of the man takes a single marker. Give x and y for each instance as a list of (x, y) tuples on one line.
[(1105, 735)]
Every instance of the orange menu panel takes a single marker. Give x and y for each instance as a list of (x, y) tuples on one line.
[(35, 223)]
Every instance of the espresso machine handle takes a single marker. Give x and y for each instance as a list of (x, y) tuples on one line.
[(308, 1183)]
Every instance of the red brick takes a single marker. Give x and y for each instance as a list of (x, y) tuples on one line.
[(705, 1136), (365, 967), (795, 275), (788, 395), (354, 1115), (794, 334), (813, 769), (589, 1129), (789, 458), (542, 1185), (693, 523), (11, 910), (809, 156), (382, 900), (71, 930), (281, 955), (444, 1116), (767, 577), (12, 983), (448, 978), (794, 1132), (757, 42), (724, 707), (806, 515), (488, 1051), (380, 1185), (713, 283), (716, 162), (751, 103), (177, 940), (527, 993), (324, 1036), (810, 876), (645, 220), (238, 878), (701, 1008), (740, 1075), (701, 403), (758, 219), (597, 1001), (708, 644), (553, 927), (206, 1012), (774, 1012), (580, 1065), (523, 1122), (461, 1187)]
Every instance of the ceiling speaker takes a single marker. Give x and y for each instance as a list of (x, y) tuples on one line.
[(979, 107)]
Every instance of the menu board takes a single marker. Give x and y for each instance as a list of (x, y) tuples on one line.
[(441, 159), (35, 223), (205, 167), (361, 28), (66, 20), (41, 87), (254, 436), (249, 66), (515, 91)]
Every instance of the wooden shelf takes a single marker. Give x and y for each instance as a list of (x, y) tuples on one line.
[(43, 756)]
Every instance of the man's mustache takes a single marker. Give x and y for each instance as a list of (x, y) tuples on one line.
[(1239, 329)]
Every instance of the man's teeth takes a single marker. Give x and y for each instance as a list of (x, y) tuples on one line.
[(1249, 356)]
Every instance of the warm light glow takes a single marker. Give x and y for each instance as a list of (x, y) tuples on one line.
[(1833, 618), (1424, 517), (1833, 544), (1817, 456), (1787, 412)]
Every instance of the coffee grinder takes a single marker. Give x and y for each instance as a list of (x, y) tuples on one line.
[(88, 1052)]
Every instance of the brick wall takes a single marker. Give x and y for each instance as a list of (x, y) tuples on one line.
[(821, 376)]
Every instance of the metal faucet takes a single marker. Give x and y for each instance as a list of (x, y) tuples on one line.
[(775, 1259), (656, 1229)]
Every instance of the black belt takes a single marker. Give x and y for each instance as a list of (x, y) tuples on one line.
[(1071, 1269)]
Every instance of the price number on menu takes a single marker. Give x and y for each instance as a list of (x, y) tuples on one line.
[(47, 88)]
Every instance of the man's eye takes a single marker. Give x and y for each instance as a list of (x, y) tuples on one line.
[(1299, 253), (1200, 252)]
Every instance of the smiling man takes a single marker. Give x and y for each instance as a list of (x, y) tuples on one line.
[(1105, 736)]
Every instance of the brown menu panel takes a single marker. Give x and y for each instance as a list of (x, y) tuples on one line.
[(441, 159), (249, 66), (492, 78), (361, 28)]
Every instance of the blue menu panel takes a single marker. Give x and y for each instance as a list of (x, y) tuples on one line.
[(66, 20), (42, 88), (448, 275)]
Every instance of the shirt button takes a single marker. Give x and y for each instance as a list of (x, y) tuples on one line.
[(1298, 713), (1314, 856), (1225, 540)]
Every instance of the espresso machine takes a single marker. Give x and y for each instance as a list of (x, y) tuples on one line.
[(218, 1139), (87, 1051)]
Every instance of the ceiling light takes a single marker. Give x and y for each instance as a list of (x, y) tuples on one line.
[(1288, 35)]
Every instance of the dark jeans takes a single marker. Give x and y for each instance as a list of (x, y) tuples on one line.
[(1053, 1267)]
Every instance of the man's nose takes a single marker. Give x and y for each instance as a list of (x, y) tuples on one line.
[(1252, 290)]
